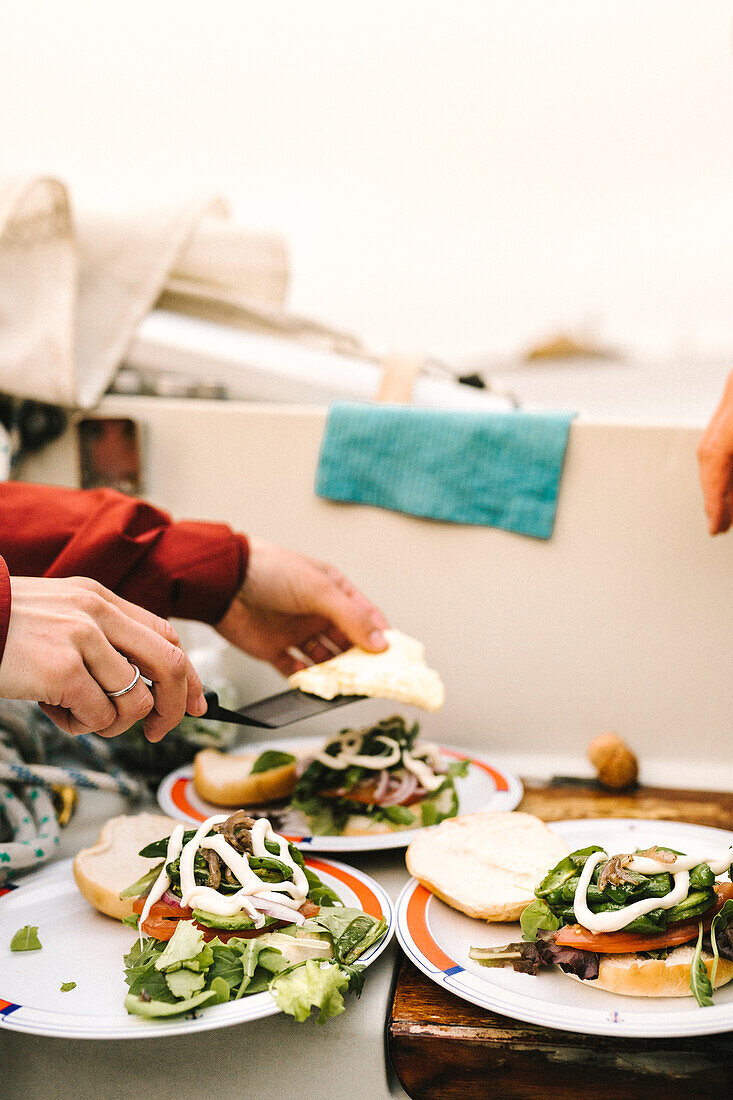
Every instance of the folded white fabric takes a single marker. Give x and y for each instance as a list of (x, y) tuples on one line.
[(74, 285)]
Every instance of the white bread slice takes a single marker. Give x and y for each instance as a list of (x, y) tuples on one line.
[(634, 976), (113, 863), (225, 779), (398, 673), (487, 865)]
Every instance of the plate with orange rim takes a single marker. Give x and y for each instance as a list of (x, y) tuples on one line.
[(486, 787), (81, 945), (437, 938)]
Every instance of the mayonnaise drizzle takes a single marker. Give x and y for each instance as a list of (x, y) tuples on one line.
[(291, 894), (350, 742), (645, 865), (162, 882)]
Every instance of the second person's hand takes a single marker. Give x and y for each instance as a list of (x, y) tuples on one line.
[(715, 457), (71, 641), (292, 601)]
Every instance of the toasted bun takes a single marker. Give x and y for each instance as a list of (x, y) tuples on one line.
[(225, 779), (112, 864), (634, 976), (486, 865)]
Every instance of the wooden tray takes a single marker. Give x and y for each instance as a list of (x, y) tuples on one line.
[(442, 1047)]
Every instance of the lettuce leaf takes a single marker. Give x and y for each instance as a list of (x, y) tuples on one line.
[(185, 943), (311, 985)]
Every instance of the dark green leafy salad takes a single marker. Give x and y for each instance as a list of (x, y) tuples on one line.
[(554, 934), (291, 935), (377, 775)]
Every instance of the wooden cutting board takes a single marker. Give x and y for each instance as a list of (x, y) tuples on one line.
[(442, 1047)]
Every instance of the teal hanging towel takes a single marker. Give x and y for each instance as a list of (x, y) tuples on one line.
[(497, 469)]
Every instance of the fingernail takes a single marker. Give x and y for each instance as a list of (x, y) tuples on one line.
[(377, 639)]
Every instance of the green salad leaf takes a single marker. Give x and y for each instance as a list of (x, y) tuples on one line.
[(700, 984), (26, 939), (143, 884), (66, 987), (311, 985), (537, 917), (185, 983), (270, 759)]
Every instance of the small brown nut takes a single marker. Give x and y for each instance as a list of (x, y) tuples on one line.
[(614, 761)]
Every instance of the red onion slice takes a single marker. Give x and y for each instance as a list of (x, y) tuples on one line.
[(274, 909), (382, 785), (406, 788), (171, 899)]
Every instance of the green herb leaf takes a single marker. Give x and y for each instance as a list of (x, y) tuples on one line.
[(143, 884), (538, 916), (270, 759), (185, 983), (700, 983), (26, 939), (459, 768), (66, 987), (132, 920), (139, 1006)]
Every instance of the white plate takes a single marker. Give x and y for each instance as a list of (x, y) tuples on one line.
[(437, 938), (486, 787), (80, 945)]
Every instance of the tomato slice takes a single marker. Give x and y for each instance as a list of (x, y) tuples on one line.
[(159, 929), (619, 943), (365, 795), (163, 918), (162, 909)]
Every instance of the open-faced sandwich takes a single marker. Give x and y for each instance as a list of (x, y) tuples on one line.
[(653, 923), (231, 909), (377, 780)]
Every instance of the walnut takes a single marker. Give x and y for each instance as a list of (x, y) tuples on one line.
[(615, 763)]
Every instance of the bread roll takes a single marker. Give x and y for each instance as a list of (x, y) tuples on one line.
[(399, 673), (113, 863), (226, 780), (634, 976), (487, 865)]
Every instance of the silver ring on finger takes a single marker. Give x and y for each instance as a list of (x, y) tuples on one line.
[(130, 686)]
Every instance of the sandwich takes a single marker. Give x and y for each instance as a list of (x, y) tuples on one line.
[(377, 780), (231, 909), (244, 779), (652, 923)]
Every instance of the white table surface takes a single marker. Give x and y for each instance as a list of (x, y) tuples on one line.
[(275, 1057)]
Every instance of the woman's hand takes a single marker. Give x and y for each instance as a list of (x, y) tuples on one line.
[(71, 640), (292, 601), (715, 457)]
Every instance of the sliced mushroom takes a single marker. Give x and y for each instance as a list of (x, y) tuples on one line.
[(214, 864), (237, 829), (613, 872), (660, 854)]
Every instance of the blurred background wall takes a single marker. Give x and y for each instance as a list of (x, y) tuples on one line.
[(466, 176)]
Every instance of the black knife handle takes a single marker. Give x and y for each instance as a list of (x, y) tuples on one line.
[(215, 712)]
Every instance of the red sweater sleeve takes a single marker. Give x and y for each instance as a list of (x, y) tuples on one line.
[(187, 569), (4, 605)]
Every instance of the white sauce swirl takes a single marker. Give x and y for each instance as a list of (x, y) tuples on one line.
[(615, 920), (291, 894), (350, 742)]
